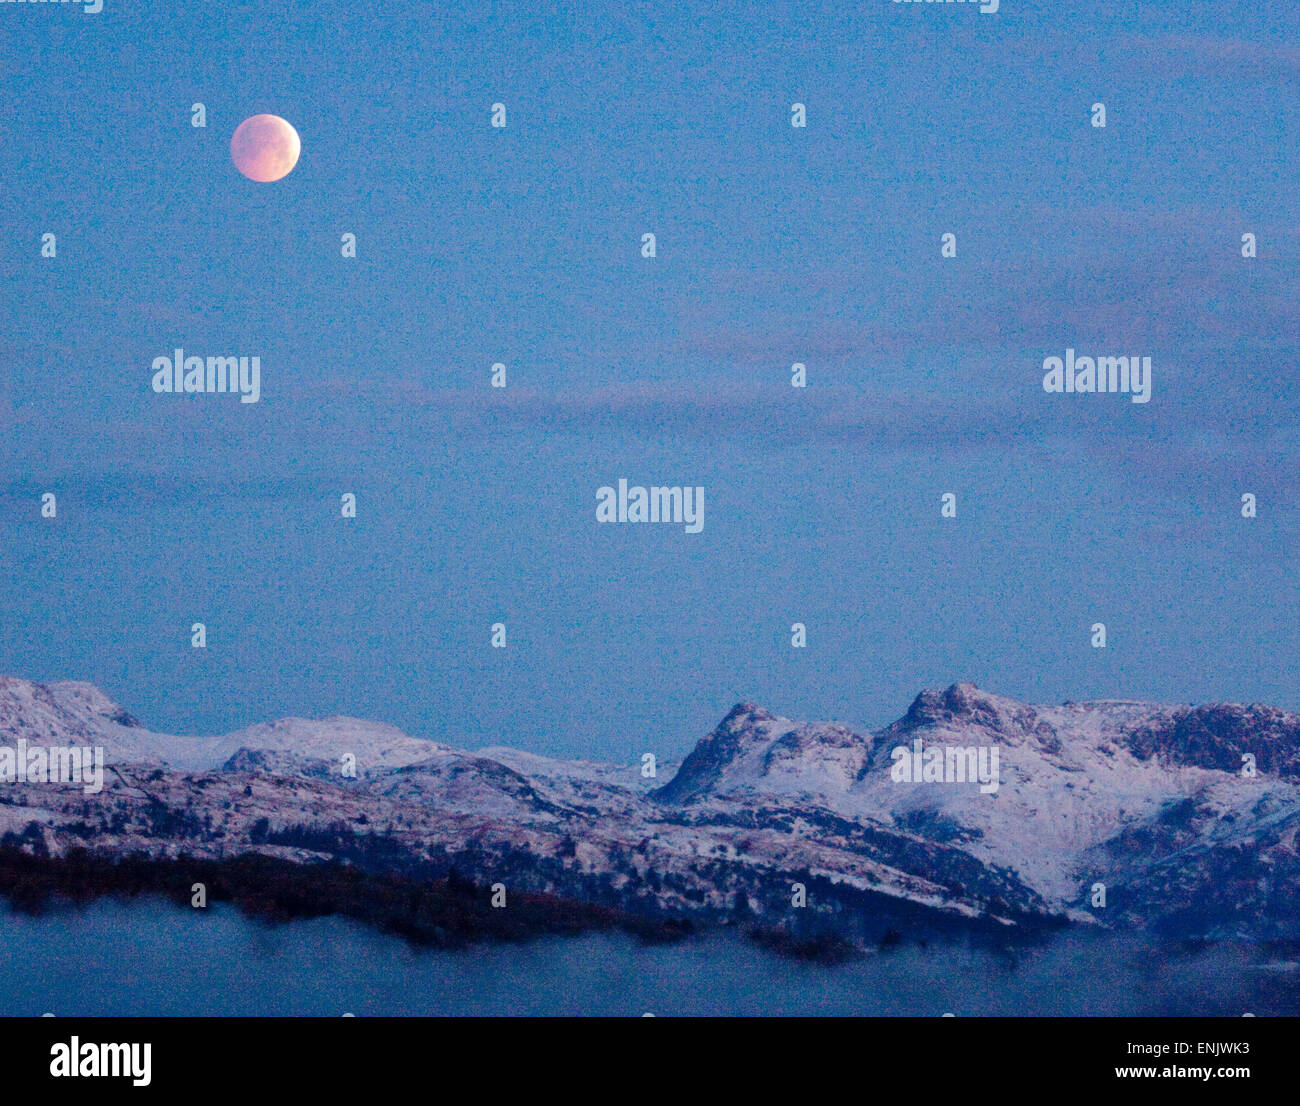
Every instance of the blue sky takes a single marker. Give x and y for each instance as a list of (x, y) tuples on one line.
[(775, 245)]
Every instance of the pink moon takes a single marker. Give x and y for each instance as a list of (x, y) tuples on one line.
[(265, 148)]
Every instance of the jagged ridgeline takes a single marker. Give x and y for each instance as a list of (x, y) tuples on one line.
[(972, 814)]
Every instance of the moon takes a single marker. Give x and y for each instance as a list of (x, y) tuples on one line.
[(265, 148)]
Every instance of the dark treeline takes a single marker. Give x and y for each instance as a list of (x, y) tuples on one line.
[(445, 900), (448, 912)]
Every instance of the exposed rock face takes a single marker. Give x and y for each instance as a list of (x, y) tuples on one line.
[(1220, 735)]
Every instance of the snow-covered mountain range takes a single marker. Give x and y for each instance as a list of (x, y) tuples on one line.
[(1177, 818)]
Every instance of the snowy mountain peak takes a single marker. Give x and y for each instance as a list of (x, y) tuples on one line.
[(746, 728), (963, 706), (962, 702), (744, 715)]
